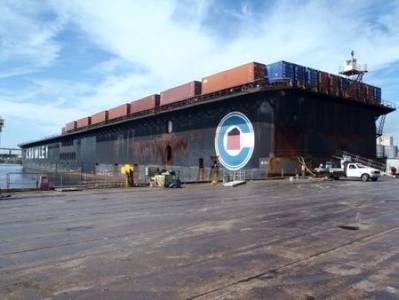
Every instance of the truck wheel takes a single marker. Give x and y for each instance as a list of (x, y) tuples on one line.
[(374, 179), (364, 177)]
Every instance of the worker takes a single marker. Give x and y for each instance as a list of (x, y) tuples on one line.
[(128, 170), (214, 174)]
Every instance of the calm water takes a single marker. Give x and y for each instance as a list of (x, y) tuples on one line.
[(18, 178)]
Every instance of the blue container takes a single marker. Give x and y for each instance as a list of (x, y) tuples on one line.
[(300, 75), (344, 84), (281, 70), (312, 78), (378, 94)]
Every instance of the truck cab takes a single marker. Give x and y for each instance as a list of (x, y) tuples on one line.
[(357, 170)]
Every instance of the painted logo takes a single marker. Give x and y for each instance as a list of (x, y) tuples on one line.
[(234, 141)]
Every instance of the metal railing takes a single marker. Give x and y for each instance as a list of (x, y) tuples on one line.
[(16, 180), (239, 175), (31, 180)]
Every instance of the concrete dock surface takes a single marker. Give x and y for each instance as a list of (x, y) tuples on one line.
[(262, 240)]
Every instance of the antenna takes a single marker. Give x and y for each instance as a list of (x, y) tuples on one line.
[(1, 126), (352, 69)]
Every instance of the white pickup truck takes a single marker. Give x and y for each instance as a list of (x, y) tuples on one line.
[(351, 170), (356, 170)]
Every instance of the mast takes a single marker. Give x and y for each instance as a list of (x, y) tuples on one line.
[(352, 69)]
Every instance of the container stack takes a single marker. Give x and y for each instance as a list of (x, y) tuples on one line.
[(334, 85), (300, 76), (99, 118), (181, 92), (345, 87), (144, 104), (280, 72), (70, 126), (119, 111), (84, 122), (312, 79), (234, 77)]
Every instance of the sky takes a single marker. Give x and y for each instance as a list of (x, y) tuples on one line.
[(61, 60)]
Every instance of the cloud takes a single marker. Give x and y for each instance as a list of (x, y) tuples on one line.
[(26, 39), (159, 38), (154, 45)]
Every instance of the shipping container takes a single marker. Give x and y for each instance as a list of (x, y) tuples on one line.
[(334, 85), (345, 86), (312, 79), (281, 71), (300, 76), (362, 92), (119, 111), (181, 92), (70, 126), (84, 122), (354, 88), (373, 94), (378, 95), (143, 104), (100, 117), (370, 93), (324, 82), (233, 77)]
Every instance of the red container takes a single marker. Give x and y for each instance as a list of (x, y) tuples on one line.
[(100, 117), (334, 85), (181, 92), (143, 104), (84, 122), (70, 126), (324, 82), (362, 92), (119, 111), (354, 88), (233, 77)]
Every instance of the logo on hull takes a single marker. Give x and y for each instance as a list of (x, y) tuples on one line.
[(234, 141)]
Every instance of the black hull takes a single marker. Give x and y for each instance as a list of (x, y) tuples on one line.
[(287, 124)]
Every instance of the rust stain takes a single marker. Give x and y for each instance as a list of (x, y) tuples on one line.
[(157, 148)]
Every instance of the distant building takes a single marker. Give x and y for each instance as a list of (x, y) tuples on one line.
[(386, 147), (385, 140)]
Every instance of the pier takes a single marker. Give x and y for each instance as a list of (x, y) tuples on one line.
[(262, 240)]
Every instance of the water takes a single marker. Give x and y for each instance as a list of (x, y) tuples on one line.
[(17, 177), (13, 176)]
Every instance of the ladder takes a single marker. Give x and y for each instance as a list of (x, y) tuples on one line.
[(380, 125)]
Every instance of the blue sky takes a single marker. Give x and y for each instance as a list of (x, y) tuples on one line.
[(61, 60)]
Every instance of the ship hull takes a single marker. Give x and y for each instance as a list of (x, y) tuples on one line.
[(286, 124)]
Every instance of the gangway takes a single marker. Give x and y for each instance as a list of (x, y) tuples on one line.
[(372, 163)]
